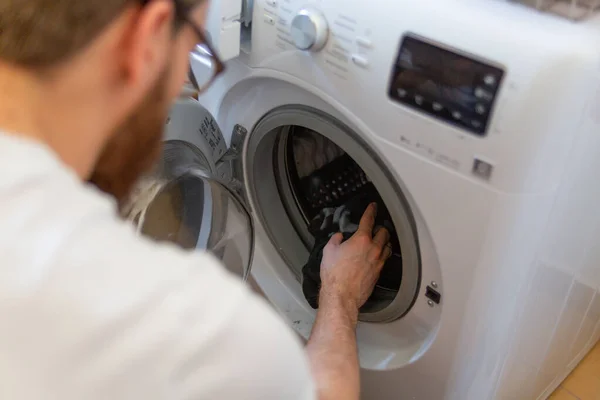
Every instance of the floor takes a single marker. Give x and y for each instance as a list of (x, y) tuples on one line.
[(584, 382)]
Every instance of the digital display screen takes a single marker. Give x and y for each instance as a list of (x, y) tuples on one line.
[(445, 84)]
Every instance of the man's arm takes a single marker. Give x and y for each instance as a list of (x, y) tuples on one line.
[(349, 272), (332, 351)]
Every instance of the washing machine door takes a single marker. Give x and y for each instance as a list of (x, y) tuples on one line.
[(186, 201)]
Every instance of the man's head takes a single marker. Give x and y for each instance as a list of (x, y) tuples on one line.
[(108, 71)]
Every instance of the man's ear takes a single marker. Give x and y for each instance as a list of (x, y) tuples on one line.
[(148, 43)]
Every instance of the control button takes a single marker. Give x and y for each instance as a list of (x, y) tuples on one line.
[(401, 93), (482, 169), (456, 115), (310, 30), (360, 61), (272, 3), (480, 109), (437, 107), (489, 80), (483, 94), (269, 19), (364, 42), (476, 124), (419, 100)]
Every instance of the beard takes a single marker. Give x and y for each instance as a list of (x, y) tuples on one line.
[(135, 146)]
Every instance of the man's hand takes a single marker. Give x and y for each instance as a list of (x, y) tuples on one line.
[(350, 270)]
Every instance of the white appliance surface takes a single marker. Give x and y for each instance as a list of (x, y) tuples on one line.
[(515, 253)]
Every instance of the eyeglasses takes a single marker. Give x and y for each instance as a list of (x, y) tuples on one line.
[(204, 54)]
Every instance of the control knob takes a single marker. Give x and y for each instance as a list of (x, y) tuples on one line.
[(310, 30)]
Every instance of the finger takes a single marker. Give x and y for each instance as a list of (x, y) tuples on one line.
[(336, 240), (382, 237), (367, 222), (387, 252)]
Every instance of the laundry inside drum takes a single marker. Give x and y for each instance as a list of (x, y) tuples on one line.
[(330, 193)]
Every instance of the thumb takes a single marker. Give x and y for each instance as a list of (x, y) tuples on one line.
[(336, 240)]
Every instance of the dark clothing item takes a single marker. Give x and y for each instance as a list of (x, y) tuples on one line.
[(345, 219)]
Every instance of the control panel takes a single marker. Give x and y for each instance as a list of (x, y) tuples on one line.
[(338, 38), (445, 84)]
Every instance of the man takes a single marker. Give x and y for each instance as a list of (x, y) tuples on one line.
[(89, 310)]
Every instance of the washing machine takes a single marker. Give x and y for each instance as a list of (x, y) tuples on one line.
[(477, 123)]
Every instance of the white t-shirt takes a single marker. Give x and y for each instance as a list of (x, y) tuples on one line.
[(89, 310)]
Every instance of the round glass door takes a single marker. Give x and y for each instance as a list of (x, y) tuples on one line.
[(304, 170), (180, 202)]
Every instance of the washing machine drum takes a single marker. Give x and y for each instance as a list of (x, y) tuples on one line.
[(180, 202)]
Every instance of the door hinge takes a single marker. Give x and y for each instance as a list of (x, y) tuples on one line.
[(237, 142), (231, 162)]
